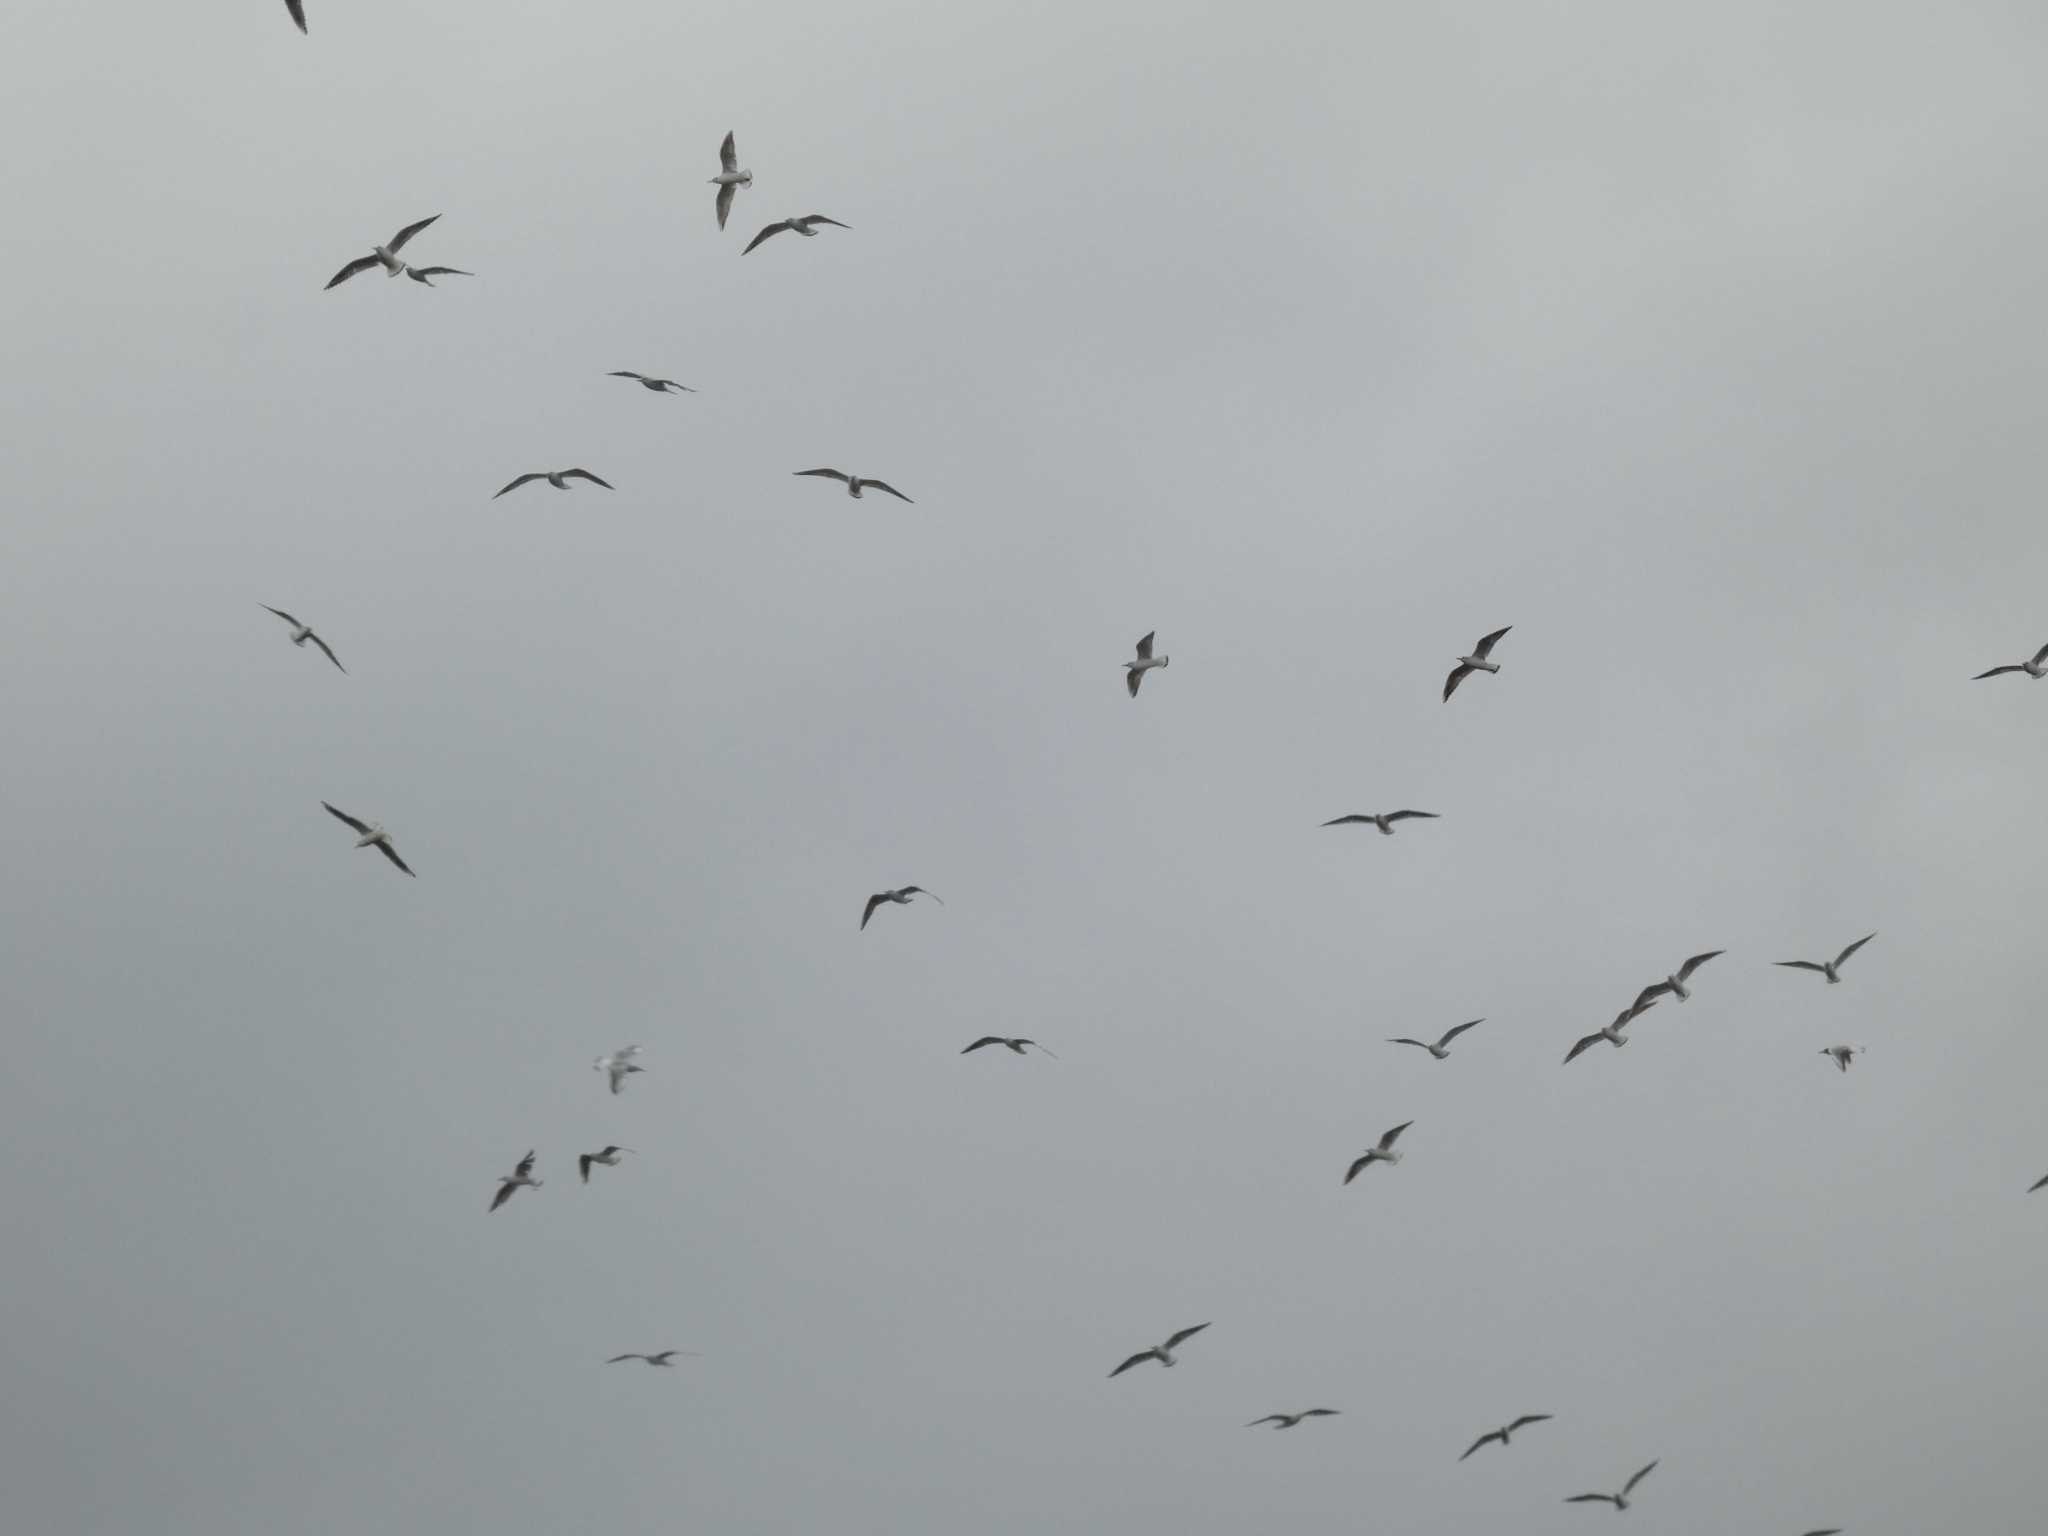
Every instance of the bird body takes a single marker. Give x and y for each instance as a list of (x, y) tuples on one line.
[(1289, 1420), (519, 1178), (619, 1065), (1441, 1047), (370, 836), (801, 226), (1828, 968), (900, 897), (609, 1157), (1476, 662), (558, 478), (855, 484), (301, 633), (1383, 820), (1382, 1153), (1163, 1353), (1134, 671), (1505, 1431), (1618, 1500)]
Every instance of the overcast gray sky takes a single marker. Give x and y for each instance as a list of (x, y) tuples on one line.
[(1699, 343)]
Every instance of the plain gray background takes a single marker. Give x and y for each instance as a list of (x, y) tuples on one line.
[(1701, 344)]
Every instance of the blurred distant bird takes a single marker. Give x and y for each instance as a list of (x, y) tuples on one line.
[(301, 633), (1618, 1500), (730, 179), (1676, 982), (666, 1357), (425, 274), (2037, 667), (1289, 1420), (385, 256), (1843, 1054), (1833, 1530), (1163, 1353), (1134, 671), (1612, 1034), (1505, 1431), (519, 1178), (298, 10), (1476, 662), (1383, 1153), (618, 1064), (369, 836), (1442, 1047), (558, 478), (1828, 968), (609, 1157), (855, 484), (901, 898), (1017, 1044), (659, 386), (1384, 821), (802, 226)]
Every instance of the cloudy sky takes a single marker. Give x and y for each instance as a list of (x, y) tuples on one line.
[(1700, 344)]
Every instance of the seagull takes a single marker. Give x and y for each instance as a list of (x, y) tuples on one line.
[(298, 11), (1163, 1353), (1618, 1500), (1383, 1153), (730, 179), (666, 1357), (802, 226), (2037, 667), (1016, 1044), (1505, 1431), (1843, 1054), (855, 484), (618, 1064), (1476, 662), (423, 274), (519, 1178), (1134, 671), (1675, 984), (1442, 1048), (371, 836), (1612, 1034), (301, 633), (609, 1157), (1829, 968), (1289, 1420), (901, 898), (558, 478), (1385, 822), (385, 256), (659, 386)]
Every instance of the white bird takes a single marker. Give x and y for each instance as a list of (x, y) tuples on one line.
[(1676, 982), (1442, 1048), (1134, 671), (1383, 1153), (801, 225), (901, 898), (855, 484), (1289, 1420), (385, 256), (301, 633), (609, 1157), (666, 1357), (1612, 1034), (558, 478), (1618, 1500), (730, 178), (1015, 1043), (618, 1064), (1163, 1353), (2036, 667), (1476, 662), (519, 1178), (298, 12), (659, 386), (1505, 1431), (370, 836), (1843, 1054), (1384, 820), (1828, 968), (425, 275)]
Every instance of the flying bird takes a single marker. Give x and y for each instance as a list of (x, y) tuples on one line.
[(901, 898), (659, 386), (1612, 1034), (666, 1357), (2036, 667), (1843, 1054), (855, 484), (1289, 1420), (519, 1178), (1383, 1153), (1163, 1353), (1828, 968), (618, 1064), (1385, 821), (370, 836), (609, 1157), (730, 179), (558, 478), (1833, 1530), (1502, 1434), (1134, 671), (1016, 1044), (1442, 1048), (427, 274), (1676, 982), (301, 633), (385, 256), (1476, 662), (1618, 1500), (298, 12), (802, 226)]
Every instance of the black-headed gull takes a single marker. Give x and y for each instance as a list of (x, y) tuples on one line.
[(1384, 820), (802, 226), (1476, 662), (1289, 1420), (1828, 968), (1014, 1042), (609, 1157), (369, 836), (855, 484), (1612, 1034), (519, 1178), (385, 256), (558, 478), (1383, 1153), (730, 179), (1842, 1055), (301, 633), (1504, 1432), (659, 386), (1442, 1047), (1618, 1500), (1675, 983), (1163, 1353), (900, 897), (2037, 666), (1134, 671), (618, 1065)]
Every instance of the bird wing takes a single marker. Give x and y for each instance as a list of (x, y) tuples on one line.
[(1138, 1359), (525, 1166), (728, 158), (1387, 1141), (1685, 971), (883, 485), (1845, 954), (1271, 1418), (1528, 1418), (1492, 1434), (1996, 671), (819, 218), (2041, 655), (829, 474), (1364, 1161), (1833, 1530), (391, 853), (917, 890), (1452, 1034), (1649, 995), (1485, 647), (1634, 1010), (504, 1193), (398, 240), (773, 229), (1458, 674), (1629, 1487), (869, 911), (1345, 821), (1413, 816), (423, 273), (1055, 1055), (615, 1359), (2038, 1183), (280, 613), (1183, 1336), (584, 474), (1145, 647), (360, 264), (360, 826), (1582, 1045), (298, 12), (1593, 1498), (1320, 1413), (985, 1040), (536, 475), (1132, 679), (1802, 965), (583, 1166), (325, 648), (725, 200), (626, 373), (1404, 1040)]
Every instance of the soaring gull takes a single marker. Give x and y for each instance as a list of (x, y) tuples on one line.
[(1163, 1353), (802, 226), (1383, 1153), (301, 633), (1134, 671), (1476, 662), (1612, 1034), (558, 478), (1442, 1048), (385, 256), (2036, 666), (1383, 820), (1675, 983), (1289, 1420), (659, 386), (1828, 968), (855, 484), (1015, 1043), (1504, 1432), (666, 1357), (519, 1178), (900, 897), (369, 836), (730, 179), (1618, 1500)]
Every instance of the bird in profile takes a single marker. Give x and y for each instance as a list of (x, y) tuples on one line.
[(370, 836), (558, 478), (1675, 983), (1842, 1055), (1504, 1432), (1163, 1353), (426, 275), (659, 386), (1612, 1034), (301, 633), (1016, 1044), (1618, 1500), (855, 484), (385, 256), (802, 226), (1289, 1420), (1442, 1048), (619, 1064), (2037, 666), (298, 12), (1383, 1153), (666, 1357), (1134, 671), (1384, 821), (609, 1157), (901, 898), (1476, 662), (1828, 968), (730, 179), (519, 1178)]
